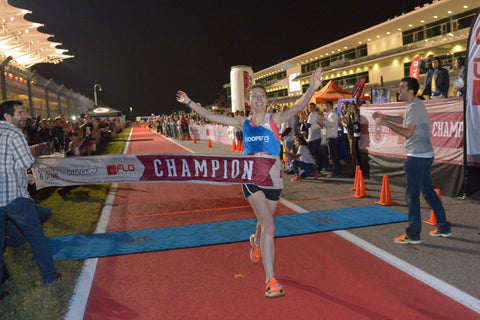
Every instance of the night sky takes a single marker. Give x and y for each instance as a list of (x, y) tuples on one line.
[(142, 51)]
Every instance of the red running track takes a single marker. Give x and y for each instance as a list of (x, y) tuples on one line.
[(325, 276)]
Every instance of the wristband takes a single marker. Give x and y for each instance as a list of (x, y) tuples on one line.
[(188, 104)]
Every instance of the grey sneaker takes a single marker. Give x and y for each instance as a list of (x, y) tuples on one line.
[(435, 233)]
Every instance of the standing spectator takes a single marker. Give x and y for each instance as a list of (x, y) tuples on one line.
[(302, 122), (158, 125), (287, 134), (173, 123), (354, 119), (15, 201), (331, 123), (460, 82), (347, 131), (179, 127), (238, 132), (44, 132), (88, 135), (58, 134), (31, 129), (416, 130), (437, 81), (184, 127), (75, 141), (314, 138)]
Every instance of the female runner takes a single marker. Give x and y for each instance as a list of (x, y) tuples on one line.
[(261, 136)]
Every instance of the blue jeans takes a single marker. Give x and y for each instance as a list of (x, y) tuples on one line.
[(315, 148), (306, 169), (22, 211), (419, 178), (290, 145), (324, 163)]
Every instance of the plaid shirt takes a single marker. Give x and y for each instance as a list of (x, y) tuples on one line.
[(15, 160)]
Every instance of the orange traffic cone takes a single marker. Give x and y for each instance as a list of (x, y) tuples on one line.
[(433, 218), (357, 169), (187, 137), (165, 133), (239, 146), (209, 143), (194, 139), (385, 196), (360, 191), (234, 145)]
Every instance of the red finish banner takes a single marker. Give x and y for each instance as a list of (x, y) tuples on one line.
[(446, 130), (199, 168)]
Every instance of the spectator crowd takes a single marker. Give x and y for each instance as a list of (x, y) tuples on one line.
[(68, 137)]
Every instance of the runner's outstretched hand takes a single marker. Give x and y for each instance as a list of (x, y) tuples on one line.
[(182, 97), (317, 78)]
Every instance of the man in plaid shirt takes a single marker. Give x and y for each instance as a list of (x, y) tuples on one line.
[(15, 201)]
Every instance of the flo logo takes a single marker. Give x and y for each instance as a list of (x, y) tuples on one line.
[(113, 169)]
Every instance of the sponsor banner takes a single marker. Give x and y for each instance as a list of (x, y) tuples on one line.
[(415, 68), (215, 132), (472, 92), (359, 88), (446, 130), (261, 170)]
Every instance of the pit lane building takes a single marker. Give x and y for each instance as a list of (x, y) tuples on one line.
[(382, 54)]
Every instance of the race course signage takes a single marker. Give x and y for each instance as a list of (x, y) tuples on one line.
[(261, 170)]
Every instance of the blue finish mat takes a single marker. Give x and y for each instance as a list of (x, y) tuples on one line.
[(77, 247)]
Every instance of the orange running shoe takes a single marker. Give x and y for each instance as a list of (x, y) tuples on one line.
[(274, 289), (255, 253)]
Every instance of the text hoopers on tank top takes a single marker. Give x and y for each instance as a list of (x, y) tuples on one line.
[(261, 139)]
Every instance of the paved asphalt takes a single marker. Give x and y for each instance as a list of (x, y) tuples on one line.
[(454, 260)]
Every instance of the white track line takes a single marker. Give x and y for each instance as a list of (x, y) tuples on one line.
[(437, 284), (81, 292)]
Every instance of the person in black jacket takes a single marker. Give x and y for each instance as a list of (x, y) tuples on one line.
[(437, 81), (58, 134)]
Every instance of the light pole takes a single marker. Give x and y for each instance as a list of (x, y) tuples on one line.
[(29, 91), (3, 82), (95, 87)]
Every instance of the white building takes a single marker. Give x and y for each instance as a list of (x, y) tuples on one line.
[(382, 54)]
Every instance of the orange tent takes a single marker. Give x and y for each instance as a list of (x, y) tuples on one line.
[(331, 91)]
